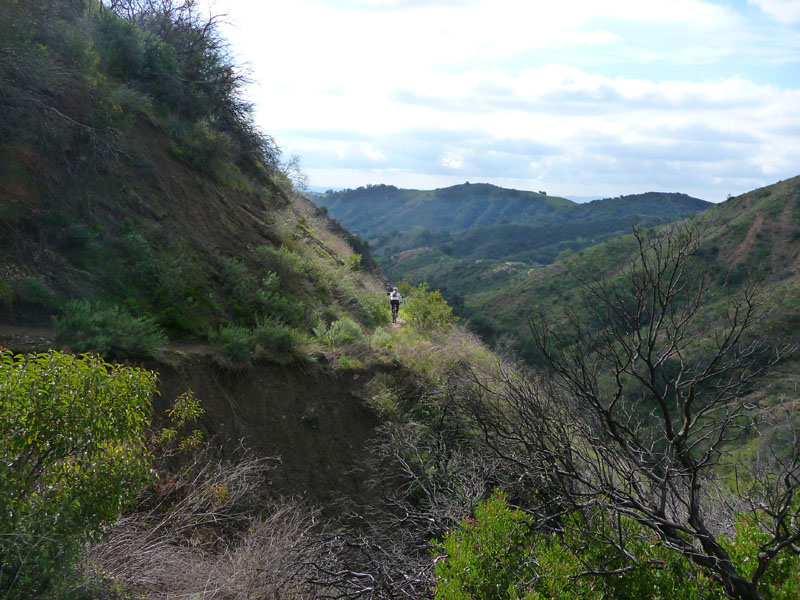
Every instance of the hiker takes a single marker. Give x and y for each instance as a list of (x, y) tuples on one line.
[(395, 299)]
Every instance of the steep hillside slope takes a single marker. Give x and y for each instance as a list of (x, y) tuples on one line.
[(137, 200)]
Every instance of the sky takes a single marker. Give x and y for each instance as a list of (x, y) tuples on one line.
[(579, 98)]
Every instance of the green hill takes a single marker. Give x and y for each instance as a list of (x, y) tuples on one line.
[(376, 209), (751, 239), (395, 219), (469, 233)]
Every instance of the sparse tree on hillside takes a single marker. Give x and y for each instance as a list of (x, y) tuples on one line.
[(644, 407)]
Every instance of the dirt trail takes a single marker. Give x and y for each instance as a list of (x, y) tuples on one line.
[(22, 339)]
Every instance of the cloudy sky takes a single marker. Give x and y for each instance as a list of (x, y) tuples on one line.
[(580, 98)]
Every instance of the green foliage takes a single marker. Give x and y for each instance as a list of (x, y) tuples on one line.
[(373, 306), (426, 309), (353, 262), (72, 438), (344, 331), (204, 148), (252, 298), (111, 330), (488, 557), (340, 333), (268, 339), (185, 409), (292, 268), (781, 580), (501, 555)]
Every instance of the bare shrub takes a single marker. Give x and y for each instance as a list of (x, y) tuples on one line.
[(207, 533), (643, 401)]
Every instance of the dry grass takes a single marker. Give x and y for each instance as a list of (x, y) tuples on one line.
[(207, 535)]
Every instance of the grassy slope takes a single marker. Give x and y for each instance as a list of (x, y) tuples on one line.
[(143, 200)]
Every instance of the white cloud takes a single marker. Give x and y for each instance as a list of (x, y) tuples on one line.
[(374, 154), (786, 11), (451, 161), (577, 97)]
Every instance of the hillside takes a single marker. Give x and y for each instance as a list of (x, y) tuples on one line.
[(159, 206), (383, 209), (749, 239)]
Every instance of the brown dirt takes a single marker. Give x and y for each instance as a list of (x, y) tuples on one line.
[(22, 339), (741, 250), (310, 419)]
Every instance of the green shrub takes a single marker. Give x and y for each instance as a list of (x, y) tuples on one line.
[(31, 290), (132, 101), (287, 264), (267, 340), (205, 148), (72, 438), (353, 262), (235, 342), (277, 342), (107, 330), (426, 309), (488, 557), (345, 331), (341, 332), (252, 299), (501, 555), (375, 307), (781, 581)]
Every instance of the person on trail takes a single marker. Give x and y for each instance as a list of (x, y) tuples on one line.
[(395, 299)]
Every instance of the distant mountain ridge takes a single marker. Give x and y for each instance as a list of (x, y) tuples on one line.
[(395, 219), (378, 209), (475, 237)]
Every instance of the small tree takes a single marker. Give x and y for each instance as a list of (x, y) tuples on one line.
[(72, 442), (427, 309), (647, 393)]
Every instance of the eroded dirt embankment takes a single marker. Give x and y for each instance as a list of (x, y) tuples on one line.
[(309, 418)]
